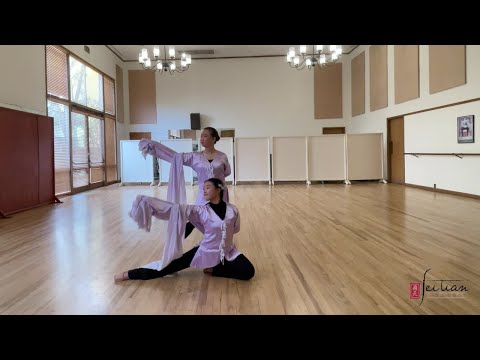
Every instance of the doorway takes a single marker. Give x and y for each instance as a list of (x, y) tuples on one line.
[(88, 151), (396, 150)]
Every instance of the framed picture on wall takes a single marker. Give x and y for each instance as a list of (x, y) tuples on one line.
[(466, 129)]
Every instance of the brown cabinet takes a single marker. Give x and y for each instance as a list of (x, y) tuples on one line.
[(27, 176)]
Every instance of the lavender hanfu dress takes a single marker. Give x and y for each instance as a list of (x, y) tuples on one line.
[(219, 168), (216, 244)]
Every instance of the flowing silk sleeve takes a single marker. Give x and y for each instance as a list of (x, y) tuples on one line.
[(144, 208), (228, 170), (150, 147)]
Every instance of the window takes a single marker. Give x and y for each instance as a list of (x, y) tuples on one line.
[(109, 91), (111, 149), (96, 147), (86, 85), (57, 72), (61, 130), (85, 137)]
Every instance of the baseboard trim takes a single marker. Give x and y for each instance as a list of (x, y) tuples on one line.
[(450, 192)]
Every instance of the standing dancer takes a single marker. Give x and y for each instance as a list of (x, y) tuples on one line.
[(209, 163)]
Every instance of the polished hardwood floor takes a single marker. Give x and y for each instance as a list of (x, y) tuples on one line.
[(319, 249)]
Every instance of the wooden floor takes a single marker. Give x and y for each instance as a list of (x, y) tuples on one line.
[(322, 249)]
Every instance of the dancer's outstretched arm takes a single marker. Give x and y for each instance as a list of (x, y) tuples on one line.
[(162, 152)]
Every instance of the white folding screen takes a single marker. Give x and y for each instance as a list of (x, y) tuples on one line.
[(296, 158), (178, 145), (289, 158), (134, 168), (327, 158), (365, 156), (252, 159)]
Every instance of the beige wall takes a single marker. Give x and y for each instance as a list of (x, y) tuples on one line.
[(256, 97), (406, 73), (22, 78), (357, 84), (436, 132), (376, 121)]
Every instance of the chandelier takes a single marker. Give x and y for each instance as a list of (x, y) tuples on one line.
[(164, 65), (317, 57)]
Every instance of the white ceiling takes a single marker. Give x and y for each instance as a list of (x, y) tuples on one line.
[(130, 52)]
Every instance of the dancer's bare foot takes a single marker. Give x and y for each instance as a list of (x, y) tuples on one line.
[(208, 271), (121, 277)]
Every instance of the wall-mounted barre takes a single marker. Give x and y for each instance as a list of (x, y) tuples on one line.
[(459, 155)]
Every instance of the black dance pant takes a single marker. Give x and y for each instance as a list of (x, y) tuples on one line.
[(239, 268)]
